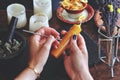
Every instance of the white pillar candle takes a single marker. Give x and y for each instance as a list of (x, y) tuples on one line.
[(44, 6), (37, 21), (17, 10)]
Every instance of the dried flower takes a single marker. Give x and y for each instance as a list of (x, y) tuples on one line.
[(110, 10)]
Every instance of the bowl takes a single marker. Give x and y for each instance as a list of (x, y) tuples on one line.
[(19, 38), (71, 19), (74, 10)]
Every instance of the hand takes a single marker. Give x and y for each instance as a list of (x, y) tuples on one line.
[(39, 52), (76, 64), (40, 47)]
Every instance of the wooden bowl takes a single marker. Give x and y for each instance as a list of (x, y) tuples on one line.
[(19, 37)]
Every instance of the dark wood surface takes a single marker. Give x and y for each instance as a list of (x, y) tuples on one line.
[(99, 71)]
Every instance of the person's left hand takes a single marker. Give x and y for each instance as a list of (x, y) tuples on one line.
[(76, 63), (40, 47)]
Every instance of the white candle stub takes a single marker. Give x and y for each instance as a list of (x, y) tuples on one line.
[(17, 10), (37, 21), (43, 6)]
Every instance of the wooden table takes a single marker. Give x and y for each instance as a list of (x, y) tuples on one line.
[(99, 71)]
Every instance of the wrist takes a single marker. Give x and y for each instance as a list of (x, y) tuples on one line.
[(36, 67), (26, 74), (82, 75), (35, 71)]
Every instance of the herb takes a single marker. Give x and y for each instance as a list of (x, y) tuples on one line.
[(110, 10), (9, 49)]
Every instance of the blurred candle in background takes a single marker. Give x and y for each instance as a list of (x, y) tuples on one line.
[(17, 10), (37, 21), (43, 6)]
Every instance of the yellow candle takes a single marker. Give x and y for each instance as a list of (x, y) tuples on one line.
[(74, 30)]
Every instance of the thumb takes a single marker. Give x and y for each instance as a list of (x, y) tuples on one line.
[(73, 44), (49, 41), (73, 41), (46, 47)]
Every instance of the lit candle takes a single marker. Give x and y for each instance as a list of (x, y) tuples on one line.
[(37, 21), (17, 10), (43, 6)]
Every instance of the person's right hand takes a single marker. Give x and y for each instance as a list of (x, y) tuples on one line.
[(39, 52), (40, 47), (76, 63)]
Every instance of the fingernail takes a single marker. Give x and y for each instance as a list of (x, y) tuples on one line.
[(74, 37)]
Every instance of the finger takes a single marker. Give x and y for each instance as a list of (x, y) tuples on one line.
[(81, 41), (73, 40), (82, 45), (55, 44), (49, 41), (64, 54), (48, 31), (73, 44), (45, 49), (63, 32), (34, 40)]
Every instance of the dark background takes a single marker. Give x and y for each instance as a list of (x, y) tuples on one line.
[(27, 3), (54, 69)]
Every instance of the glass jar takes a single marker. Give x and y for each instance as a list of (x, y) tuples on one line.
[(43, 6)]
